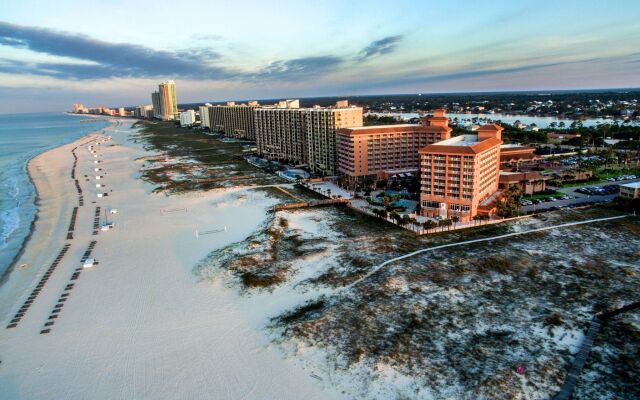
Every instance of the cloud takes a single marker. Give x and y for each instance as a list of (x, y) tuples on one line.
[(102, 59), (380, 47), (300, 67)]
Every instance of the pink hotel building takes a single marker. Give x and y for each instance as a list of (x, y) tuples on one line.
[(384, 150), (458, 175)]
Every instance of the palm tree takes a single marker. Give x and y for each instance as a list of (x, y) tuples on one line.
[(395, 217), (455, 219)]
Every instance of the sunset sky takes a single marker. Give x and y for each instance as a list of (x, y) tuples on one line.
[(114, 53)]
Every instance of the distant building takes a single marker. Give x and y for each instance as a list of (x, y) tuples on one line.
[(79, 108), (168, 100), (519, 125), (122, 112), (157, 105), (385, 150), (142, 112), (304, 135), (459, 176), (204, 115), (280, 134), (516, 154), (234, 120), (187, 118), (630, 190), (555, 137)]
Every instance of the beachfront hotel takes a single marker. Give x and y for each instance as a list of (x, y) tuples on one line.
[(382, 151), (234, 120), (459, 176), (304, 136)]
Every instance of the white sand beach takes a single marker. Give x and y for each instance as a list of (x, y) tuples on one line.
[(139, 324)]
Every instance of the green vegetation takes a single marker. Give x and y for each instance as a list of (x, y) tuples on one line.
[(543, 195), (612, 172), (380, 120), (193, 160)]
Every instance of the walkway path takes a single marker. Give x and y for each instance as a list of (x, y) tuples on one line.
[(384, 264), (579, 360)]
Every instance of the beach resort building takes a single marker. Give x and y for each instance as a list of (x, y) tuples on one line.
[(386, 150), (187, 118), (304, 136), (280, 134), (168, 101), (79, 108), (204, 115), (157, 106), (234, 120), (459, 176), (143, 112)]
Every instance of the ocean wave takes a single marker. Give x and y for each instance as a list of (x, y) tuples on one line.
[(10, 213), (9, 222)]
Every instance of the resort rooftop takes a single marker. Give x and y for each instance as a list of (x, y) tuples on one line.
[(462, 140)]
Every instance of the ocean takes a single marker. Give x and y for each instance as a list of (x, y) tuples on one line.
[(23, 136)]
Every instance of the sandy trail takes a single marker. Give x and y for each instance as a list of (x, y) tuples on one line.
[(138, 325)]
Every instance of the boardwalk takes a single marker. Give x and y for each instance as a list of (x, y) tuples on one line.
[(581, 357), (578, 362)]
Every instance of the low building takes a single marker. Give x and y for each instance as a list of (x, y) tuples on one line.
[(554, 137), (459, 176), (187, 118), (386, 150), (630, 190), (529, 182), (517, 154)]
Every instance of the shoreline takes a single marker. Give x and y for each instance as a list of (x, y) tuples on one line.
[(36, 203), (142, 316)]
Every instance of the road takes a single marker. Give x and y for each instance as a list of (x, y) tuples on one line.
[(578, 197)]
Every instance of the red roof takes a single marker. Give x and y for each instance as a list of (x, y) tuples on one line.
[(491, 127)]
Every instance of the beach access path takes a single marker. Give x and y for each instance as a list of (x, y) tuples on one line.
[(139, 324)]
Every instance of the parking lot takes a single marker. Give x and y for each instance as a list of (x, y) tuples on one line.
[(578, 199)]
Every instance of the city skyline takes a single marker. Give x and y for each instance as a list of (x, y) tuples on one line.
[(302, 50)]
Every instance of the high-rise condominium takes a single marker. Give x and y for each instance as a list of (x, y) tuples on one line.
[(157, 105), (304, 135), (204, 115), (234, 120), (168, 101)]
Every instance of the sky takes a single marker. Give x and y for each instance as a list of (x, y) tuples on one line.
[(114, 53)]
